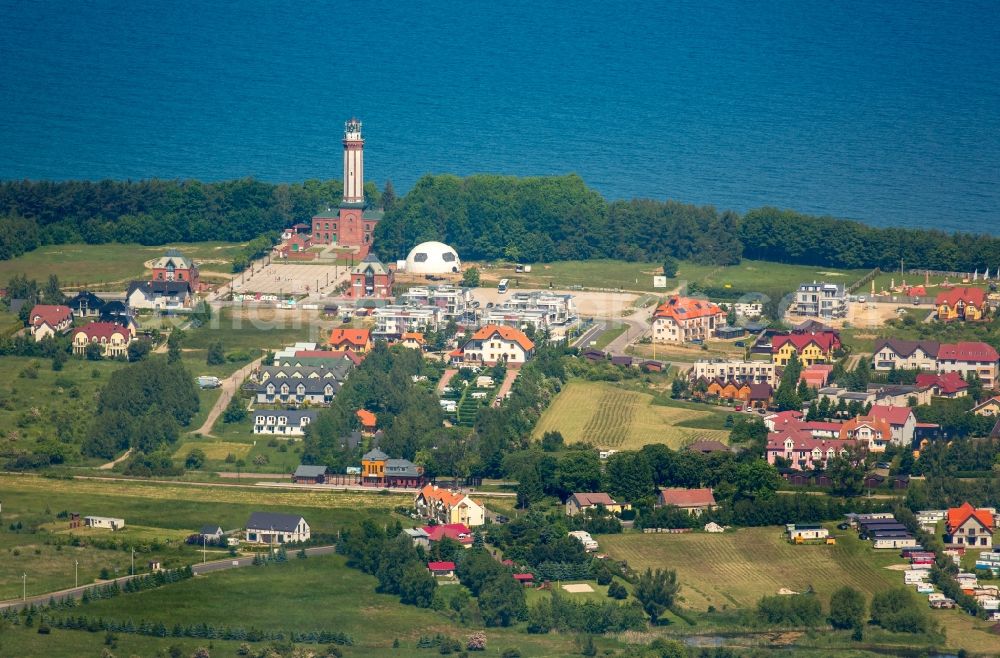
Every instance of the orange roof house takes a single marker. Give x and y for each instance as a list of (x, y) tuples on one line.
[(961, 303), (368, 420), (498, 343), (693, 501), (413, 339), (357, 340), (969, 526), (683, 319), (875, 432)]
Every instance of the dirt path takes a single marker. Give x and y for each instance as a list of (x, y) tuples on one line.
[(229, 386), (111, 464)]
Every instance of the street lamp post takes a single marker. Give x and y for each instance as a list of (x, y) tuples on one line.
[(133, 561), (203, 544)]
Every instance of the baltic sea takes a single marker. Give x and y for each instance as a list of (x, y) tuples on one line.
[(887, 112)]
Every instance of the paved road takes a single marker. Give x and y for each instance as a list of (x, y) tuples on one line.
[(638, 325), (198, 569), (229, 386), (590, 334)]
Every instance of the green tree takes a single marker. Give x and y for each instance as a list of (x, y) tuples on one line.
[(174, 341), (388, 196), (847, 608), (529, 488), (470, 277), (52, 292), (670, 267), (629, 476), (656, 591), (216, 354), (138, 349), (236, 410), (501, 601), (195, 459), (417, 585)]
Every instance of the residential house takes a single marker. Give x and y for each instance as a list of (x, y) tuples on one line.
[(898, 354), (902, 423), (308, 474), (817, 375), (413, 339), (948, 385), (113, 339), (494, 344), (453, 303), (174, 266), (737, 370), (368, 420), (541, 311), (728, 390), (873, 433), (282, 422), (968, 526), (445, 506), (370, 279), (683, 319), (455, 531), (48, 320), (441, 569), (297, 391), (822, 300), (961, 303), (211, 532), (988, 407), (85, 304), (337, 362), (378, 470), (276, 528), (810, 348), (802, 451), (900, 395), (835, 394), (969, 357), (581, 502), (160, 295), (356, 340), (393, 321), (760, 396), (707, 446), (692, 501), (418, 536)]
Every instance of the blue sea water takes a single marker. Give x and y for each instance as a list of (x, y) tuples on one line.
[(888, 112)]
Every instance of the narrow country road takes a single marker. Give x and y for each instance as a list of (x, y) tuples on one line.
[(638, 324), (113, 463), (198, 569), (229, 386)]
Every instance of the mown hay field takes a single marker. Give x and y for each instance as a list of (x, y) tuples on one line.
[(608, 416), (737, 568)]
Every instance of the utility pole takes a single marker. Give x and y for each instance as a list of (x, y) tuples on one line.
[(203, 544), (24, 587), (133, 561), (76, 574)]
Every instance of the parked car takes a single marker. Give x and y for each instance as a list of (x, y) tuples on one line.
[(740, 343), (843, 526)]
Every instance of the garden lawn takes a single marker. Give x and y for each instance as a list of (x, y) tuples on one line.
[(257, 330), (102, 265), (317, 593), (609, 416), (749, 275), (737, 568)]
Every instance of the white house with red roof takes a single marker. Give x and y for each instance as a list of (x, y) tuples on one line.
[(581, 502), (803, 451), (494, 344), (692, 501), (969, 357), (46, 320), (902, 423), (457, 531), (968, 526), (683, 319), (112, 338), (873, 433), (948, 385)]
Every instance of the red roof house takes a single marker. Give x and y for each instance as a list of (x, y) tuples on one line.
[(457, 531), (358, 340), (48, 320), (694, 501), (441, 568), (948, 385), (368, 420), (969, 526)]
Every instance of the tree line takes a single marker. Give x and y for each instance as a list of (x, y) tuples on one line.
[(483, 216)]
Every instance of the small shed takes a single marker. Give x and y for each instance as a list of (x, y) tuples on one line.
[(652, 365), (525, 579), (307, 474), (729, 332), (108, 522), (442, 569), (622, 360)]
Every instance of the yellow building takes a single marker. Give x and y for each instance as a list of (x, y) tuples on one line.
[(810, 348)]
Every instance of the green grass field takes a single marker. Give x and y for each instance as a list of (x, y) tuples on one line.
[(40, 403), (318, 593), (749, 275), (265, 329), (151, 511), (92, 265), (609, 416), (737, 568)]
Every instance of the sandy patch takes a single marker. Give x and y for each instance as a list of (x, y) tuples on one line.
[(578, 588)]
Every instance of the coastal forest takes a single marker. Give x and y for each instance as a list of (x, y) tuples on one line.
[(537, 219)]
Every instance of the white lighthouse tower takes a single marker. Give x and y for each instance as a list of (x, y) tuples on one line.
[(354, 163)]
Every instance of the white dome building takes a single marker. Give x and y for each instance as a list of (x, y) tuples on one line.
[(433, 258)]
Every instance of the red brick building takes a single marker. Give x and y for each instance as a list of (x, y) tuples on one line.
[(174, 266), (370, 278), (351, 225)]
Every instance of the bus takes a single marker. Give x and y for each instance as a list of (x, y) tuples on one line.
[(502, 287)]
